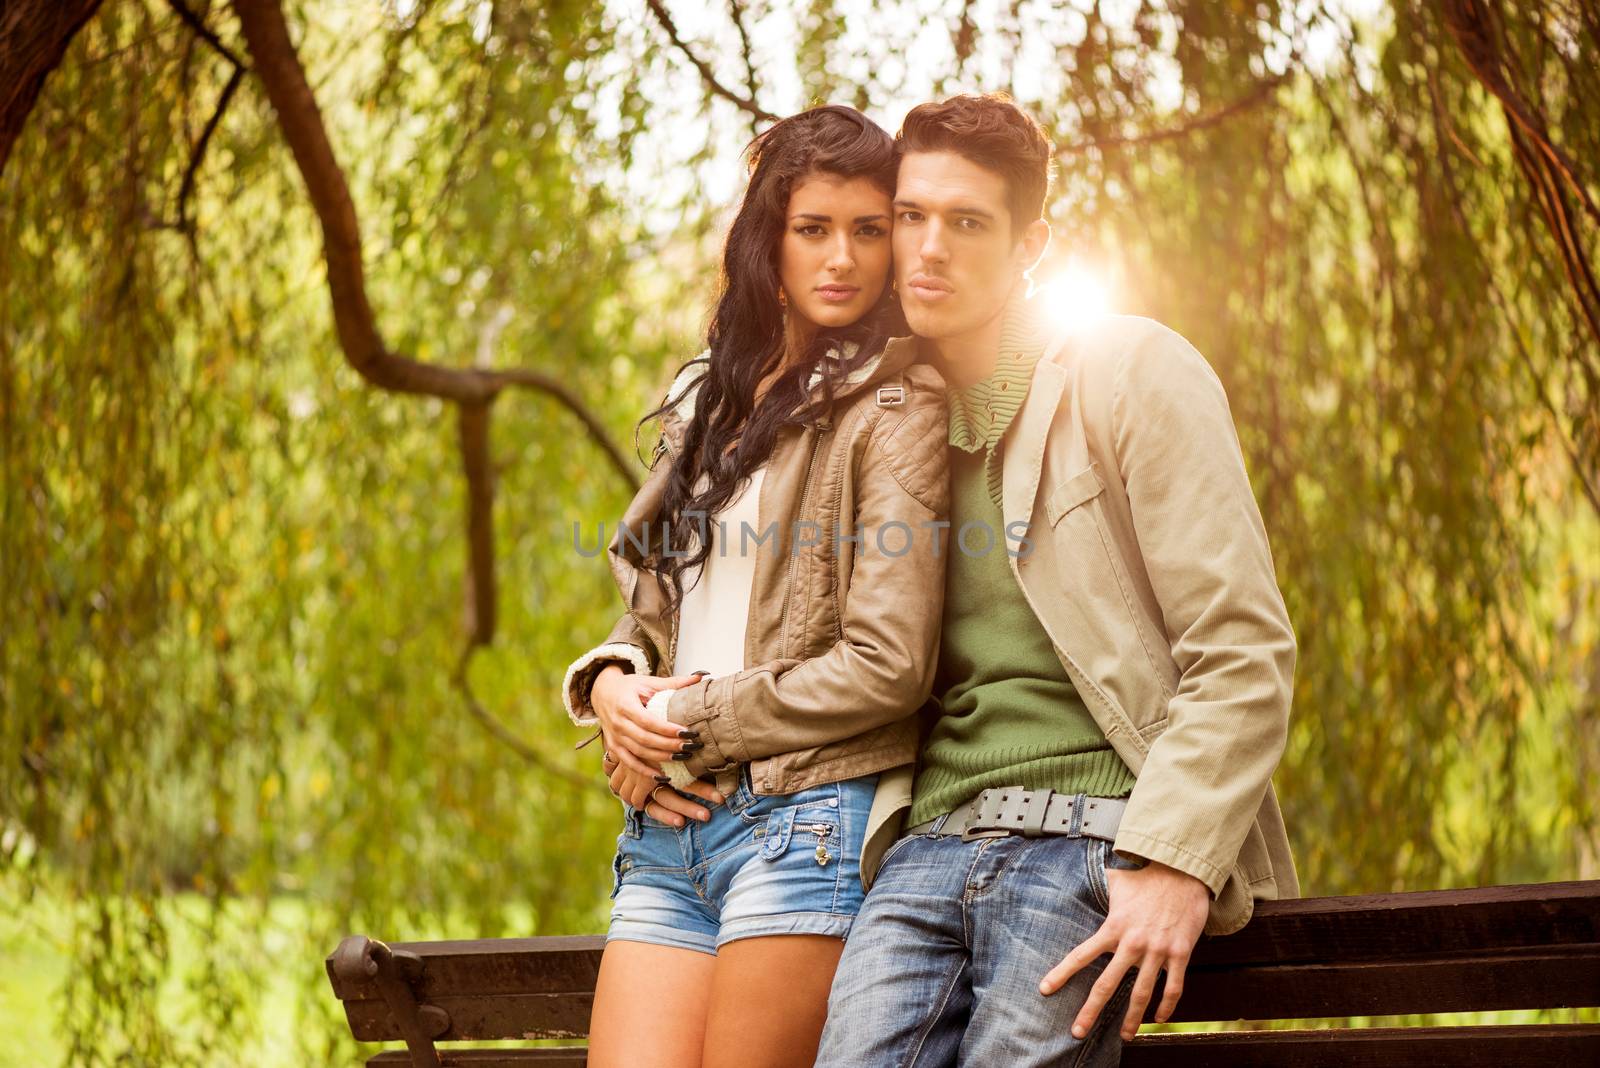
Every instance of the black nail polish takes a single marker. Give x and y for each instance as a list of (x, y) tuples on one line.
[(700, 673), (681, 756), (690, 747), (689, 734), (663, 780)]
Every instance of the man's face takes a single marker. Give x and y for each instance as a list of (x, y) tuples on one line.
[(955, 258)]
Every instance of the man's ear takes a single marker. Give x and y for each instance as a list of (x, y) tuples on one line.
[(1035, 238)]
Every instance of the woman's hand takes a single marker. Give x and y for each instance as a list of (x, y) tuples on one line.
[(669, 806), (640, 742)]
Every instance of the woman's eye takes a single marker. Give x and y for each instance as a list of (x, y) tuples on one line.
[(811, 230), (871, 231)]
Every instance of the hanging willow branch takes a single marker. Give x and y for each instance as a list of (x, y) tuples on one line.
[(197, 155), (472, 390), (1551, 173), (706, 73), (1259, 95)]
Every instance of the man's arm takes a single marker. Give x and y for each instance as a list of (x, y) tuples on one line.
[(1205, 551)]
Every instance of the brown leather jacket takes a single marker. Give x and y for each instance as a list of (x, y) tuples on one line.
[(843, 636)]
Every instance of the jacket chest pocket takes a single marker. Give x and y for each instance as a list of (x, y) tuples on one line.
[(1102, 597), (1076, 491)]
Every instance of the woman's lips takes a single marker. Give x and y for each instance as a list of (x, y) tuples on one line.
[(838, 294)]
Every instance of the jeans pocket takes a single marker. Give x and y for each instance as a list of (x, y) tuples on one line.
[(894, 847), (804, 826), (1102, 856), (1096, 857), (619, 867)]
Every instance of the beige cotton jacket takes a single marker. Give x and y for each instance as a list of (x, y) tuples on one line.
[(843, 635), (1147, 562)]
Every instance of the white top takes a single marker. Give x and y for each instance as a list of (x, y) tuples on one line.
[(716, 598)]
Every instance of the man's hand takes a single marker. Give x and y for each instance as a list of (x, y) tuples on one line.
[(1156, 916), (639, 741), (669, 806)]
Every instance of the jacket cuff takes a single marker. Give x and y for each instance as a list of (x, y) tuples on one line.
[(580, 675), (1135, 844), (694, 707), (678, 771)]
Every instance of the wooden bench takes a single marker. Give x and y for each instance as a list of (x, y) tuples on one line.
[(1500, 947)]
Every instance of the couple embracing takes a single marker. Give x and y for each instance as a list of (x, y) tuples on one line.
[(954, 669)]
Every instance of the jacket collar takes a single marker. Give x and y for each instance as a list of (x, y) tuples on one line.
[(896, 356), (1023, 459)]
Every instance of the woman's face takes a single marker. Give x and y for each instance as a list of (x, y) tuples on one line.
[(835, 256)]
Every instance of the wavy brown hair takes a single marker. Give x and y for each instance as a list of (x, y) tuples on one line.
[(993, 132), (729, 434)]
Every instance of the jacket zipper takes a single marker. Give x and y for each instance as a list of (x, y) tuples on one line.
[(805, 492), (672, 632)]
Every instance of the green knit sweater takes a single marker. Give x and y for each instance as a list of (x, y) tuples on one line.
[(1011, 716)]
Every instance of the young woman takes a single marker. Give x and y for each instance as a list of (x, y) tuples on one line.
[(783, 576)]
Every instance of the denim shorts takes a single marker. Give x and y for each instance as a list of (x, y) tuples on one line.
[(761, 865)]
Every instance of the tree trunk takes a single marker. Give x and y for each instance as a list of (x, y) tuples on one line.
[(34, 35)]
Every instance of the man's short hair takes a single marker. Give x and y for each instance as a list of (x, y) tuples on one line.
[(993, 132)]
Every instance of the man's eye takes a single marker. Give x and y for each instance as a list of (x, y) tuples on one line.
[(970, 224), (911, 216)]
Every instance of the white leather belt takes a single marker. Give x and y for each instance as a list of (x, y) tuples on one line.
[(1030, 813)]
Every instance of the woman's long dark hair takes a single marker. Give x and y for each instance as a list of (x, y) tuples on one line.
[(746, 337)]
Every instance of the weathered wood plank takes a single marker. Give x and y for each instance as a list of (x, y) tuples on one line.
[(568, 1057), (477, 1019), (1535, 946), (553, 965), (1373, 927), (1528, 1046), (1384, 926), (1522, 979), (1506, 981)]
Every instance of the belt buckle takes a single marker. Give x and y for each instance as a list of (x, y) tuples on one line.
[(972, 833)]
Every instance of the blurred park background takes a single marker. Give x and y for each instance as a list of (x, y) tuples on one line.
[(287, 578)]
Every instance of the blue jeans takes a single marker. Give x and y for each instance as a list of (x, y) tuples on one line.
[(762, 865), (943, 964)]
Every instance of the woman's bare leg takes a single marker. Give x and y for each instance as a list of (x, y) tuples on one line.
[(650, 1006), (769, 999)]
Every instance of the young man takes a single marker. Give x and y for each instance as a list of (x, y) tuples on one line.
[(1114, 682)]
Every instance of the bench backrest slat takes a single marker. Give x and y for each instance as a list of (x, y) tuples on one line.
[(1514, 947)]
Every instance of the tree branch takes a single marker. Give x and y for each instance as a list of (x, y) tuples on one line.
[(198, 155), (706, 73), (1468, 23), (491, 723), (34, 35), (204, 32), (746, 52), (1200, 122), (300, 119), (473, 389)]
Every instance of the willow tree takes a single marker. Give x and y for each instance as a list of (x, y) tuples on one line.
[(286, 608)]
